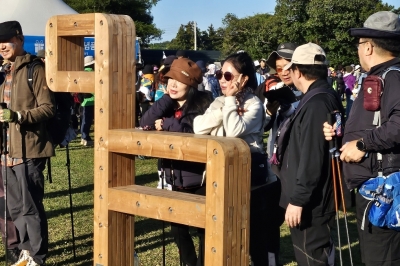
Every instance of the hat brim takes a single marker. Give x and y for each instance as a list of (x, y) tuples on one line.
[(288, 66), (90, 63), (177, 75), (271, 61), (372, 33), (6, 37)]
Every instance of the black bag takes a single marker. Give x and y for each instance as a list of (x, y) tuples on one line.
[(58, 125), (259, 168)]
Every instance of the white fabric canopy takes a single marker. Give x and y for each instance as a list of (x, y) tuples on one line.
[(33, 14)]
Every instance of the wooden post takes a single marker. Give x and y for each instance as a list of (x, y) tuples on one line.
[(223, 212)]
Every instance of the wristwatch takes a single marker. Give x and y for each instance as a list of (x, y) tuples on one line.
[(361, 145)]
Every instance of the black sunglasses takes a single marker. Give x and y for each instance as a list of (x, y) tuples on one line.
[(227, 75)]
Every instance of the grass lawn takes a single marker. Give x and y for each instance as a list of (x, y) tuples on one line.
[(148, 231)]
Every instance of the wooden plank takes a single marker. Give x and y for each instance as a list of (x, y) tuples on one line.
[(75, 81), (158, 204), (76, 25), (171, 145), (103, 243)]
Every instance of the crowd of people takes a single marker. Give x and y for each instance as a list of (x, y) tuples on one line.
[(289, 94)]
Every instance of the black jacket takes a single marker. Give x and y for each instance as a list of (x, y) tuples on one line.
[(306, 173), (185, 174), (385, 139)]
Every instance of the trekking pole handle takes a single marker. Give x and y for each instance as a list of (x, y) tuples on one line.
[(332, 147)]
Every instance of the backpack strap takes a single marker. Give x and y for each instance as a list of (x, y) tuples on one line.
[(31, 69)]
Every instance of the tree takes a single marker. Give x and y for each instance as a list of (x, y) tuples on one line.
[(325, 22), (252, 34), (138, 10), (184, 39)]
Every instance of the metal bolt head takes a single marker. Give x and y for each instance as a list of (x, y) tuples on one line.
[(137, 204), (213, 250), (171, 147), (214, 218), (101, 110), (75, 81), (139, 143), (101, 22), (215, 184), (215, 152)]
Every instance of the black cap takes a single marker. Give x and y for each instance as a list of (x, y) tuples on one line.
[(148, 69), (169, 59), (181, 53), (10, 29), (284, 50)]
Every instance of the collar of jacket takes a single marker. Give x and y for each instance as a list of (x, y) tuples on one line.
[(319, 83), (376, 70), (22, 60)]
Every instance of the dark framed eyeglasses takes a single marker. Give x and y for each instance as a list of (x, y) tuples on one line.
[(358, 44), (227, 75)]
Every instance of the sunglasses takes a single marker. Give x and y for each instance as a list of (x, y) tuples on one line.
[(227, 75)]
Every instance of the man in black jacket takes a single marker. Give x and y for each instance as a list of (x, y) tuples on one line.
[(307, 192), (378, 49)]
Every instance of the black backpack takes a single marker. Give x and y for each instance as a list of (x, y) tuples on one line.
[(58, 125)]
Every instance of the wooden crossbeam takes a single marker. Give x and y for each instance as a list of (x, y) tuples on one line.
[(158, 204)]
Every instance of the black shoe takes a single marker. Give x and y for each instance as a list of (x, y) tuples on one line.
[(13, 255)]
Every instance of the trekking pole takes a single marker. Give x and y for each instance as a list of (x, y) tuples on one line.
[(332, 150), (338, 168), (70, 200), (4, 168)]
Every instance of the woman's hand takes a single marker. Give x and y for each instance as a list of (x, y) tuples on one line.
[(158, 124), (235, 87)]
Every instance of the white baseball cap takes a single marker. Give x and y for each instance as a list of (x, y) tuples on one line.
[(305, 55)]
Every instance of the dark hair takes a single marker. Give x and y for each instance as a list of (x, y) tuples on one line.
[(243, 64), (196, 104), (312, 72), (390, 45)]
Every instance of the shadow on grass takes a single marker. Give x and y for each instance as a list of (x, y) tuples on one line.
[(287, 251), (146, 179), (54, 213), (61, 193)]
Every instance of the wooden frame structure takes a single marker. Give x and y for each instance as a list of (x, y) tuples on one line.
[(223, 212)]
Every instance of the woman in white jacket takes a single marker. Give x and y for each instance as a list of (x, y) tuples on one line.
[(240, 113)]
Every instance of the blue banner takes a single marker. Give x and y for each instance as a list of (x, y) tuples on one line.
[(35, 43)]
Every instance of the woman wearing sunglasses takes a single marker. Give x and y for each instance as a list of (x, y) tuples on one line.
[(240, 113), (175, 112)]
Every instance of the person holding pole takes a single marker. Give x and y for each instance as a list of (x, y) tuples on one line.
[(28, 144), (305, 172), (365, 137)]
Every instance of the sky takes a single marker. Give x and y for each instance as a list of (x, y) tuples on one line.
[(170, 14)]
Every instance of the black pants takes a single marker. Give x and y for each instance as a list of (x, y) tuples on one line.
[(379, 246), (25, 204), (312, 242), (266, 217), (183, 239), (12, 232)]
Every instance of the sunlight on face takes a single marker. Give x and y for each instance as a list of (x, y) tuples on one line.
[(284, 75), (224, 84), (11, 48), (177, 90)]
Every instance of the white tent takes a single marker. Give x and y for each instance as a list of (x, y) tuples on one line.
[(33, 14)]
